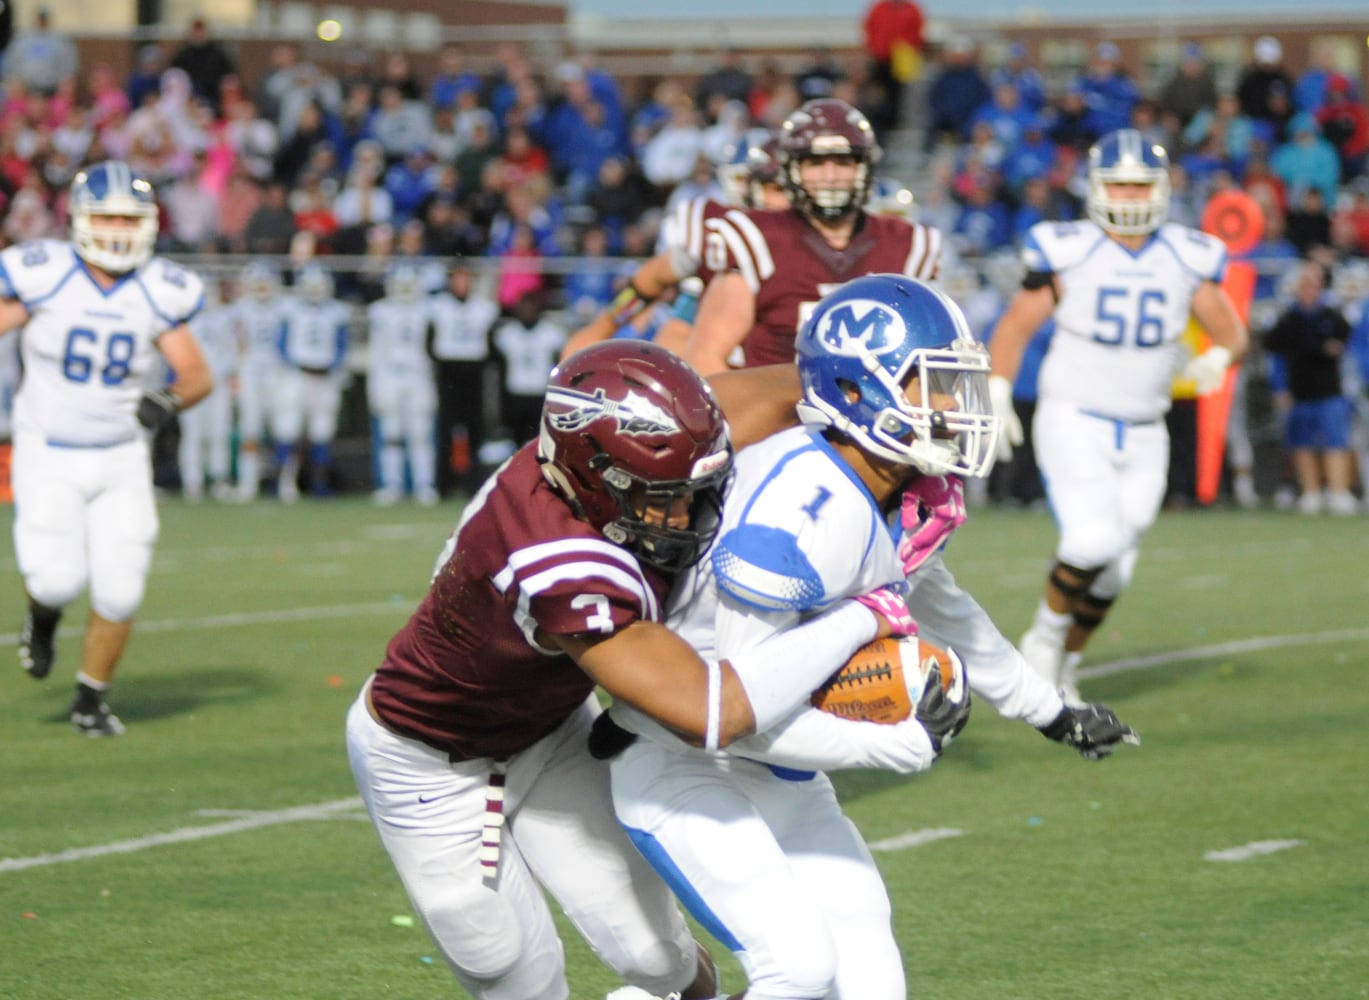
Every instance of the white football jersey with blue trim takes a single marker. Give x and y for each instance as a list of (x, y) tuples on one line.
[(1121, 315), (397, 346), (314, 336), (88, 352), (799, 532), (259, 327)]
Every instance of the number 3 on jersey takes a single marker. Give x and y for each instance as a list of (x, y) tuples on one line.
[(80, 357), (1130, 317)]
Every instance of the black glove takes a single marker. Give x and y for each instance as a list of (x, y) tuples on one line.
[(941, 714), (1093, 730), (156, 408)]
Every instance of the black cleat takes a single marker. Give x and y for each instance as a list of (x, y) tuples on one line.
[(90, 715), (36, 651)]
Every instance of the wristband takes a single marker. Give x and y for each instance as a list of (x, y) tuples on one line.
[(627, 304)]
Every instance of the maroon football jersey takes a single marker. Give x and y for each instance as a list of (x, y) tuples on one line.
[(789, 266), (464, 675)]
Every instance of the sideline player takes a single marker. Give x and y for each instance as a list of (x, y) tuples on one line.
[(469, 744), (400, 386), (257, 315), (313, 344), (1121, 286), (95, 312), (205, 451)]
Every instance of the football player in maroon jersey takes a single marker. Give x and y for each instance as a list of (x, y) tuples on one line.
[(771, 268), (470, 743)]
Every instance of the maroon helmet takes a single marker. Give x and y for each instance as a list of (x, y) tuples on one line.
[(628, 426), (762, 167), (827, 127)]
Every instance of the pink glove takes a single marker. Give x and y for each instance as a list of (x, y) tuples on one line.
[(888, 603), (933, 507)]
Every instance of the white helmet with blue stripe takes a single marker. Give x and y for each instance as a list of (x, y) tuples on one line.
[(858, 354), (112, 189), (1128, 157)]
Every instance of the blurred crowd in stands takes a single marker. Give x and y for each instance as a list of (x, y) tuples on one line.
[(551, 174)]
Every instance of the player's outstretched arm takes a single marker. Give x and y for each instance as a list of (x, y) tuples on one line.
[(757, 402), (726, 314), (648, 284), (711, 704)]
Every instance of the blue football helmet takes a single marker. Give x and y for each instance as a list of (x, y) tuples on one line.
[(1126, 157), (106, 189), (857, 355)]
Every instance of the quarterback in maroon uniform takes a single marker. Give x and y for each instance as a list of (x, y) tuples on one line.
[(470, 744), (772, 267)]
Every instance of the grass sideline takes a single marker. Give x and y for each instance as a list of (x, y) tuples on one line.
[(1066, 879)]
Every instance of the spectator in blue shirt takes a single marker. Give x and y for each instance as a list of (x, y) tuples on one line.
[(957, 92), (1108, 90), (1031, 88), (452, 78)]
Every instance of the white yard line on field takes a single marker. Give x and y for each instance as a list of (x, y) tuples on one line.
[(1222, 649), (915, 838), (237, 619), (248, 821), (339, 808), (1254, 849)]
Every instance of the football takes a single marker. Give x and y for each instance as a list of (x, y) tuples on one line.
[(884, 680)]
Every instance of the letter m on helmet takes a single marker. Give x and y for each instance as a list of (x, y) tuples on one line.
[(860, 324)]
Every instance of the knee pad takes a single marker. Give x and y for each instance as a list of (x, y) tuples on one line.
[(118, 601), (1094, 544), (1072, 581), (478, 932), (1089, 610), (55, 586), (1116, 576)]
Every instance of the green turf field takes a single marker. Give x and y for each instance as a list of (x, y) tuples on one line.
[(213, 852)]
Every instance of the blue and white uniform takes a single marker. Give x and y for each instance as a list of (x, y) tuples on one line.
[(313, 344), (760, 852), (1105, 383), (402, 392), (206, 449), (84, 507)]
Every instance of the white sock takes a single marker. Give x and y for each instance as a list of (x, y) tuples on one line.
[(1052, 624), (85, 680)]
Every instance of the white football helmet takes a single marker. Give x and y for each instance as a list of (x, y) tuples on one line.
[(111, 189), (1126, 157), (404, 283), (260, 281), (314, 284)]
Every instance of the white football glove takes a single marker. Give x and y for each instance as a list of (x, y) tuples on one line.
[(1010, 428), (1208, 370)]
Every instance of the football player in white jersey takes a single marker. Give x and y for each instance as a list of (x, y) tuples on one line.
[(95, 313), (895, 403), (206, 447), (400, 387), (313, 344), (1121, 286), (257, 315)]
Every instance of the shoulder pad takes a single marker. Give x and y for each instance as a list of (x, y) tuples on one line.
[(763, 567), (175, 292)]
